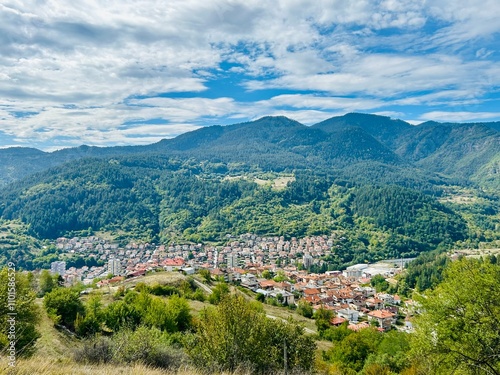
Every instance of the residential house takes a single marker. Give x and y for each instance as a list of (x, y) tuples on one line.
[(384, 318), (348, 314)]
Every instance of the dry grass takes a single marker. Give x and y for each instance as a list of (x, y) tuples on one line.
[(279, 183), (53, 344), (48, 366)]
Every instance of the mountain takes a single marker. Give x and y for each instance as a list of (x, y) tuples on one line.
[(382, 128), (389, 187), (279, 143), (454, 149)]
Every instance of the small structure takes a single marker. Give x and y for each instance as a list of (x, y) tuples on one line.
[(384, 318), (349, 314)]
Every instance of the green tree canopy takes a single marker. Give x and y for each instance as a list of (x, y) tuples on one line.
[(459, 328), (63, 305), (25, 309), (237, 335)]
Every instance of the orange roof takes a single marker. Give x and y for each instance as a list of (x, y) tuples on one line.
[(311, 291), (337, 321), (312, 299), (374, 300), (173, 262), (267, 283), (357, 327), (381, 314)]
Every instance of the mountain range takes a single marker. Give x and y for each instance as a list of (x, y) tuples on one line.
[(391, 188), (469, 151)]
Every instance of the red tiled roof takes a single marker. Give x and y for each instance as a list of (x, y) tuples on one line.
[(177, 262), (337, 321), (311, 291), (381, 314)]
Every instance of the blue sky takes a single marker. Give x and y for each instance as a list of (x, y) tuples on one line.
[(125, 72)]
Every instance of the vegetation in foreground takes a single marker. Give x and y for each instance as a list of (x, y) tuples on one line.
[(456, 330)]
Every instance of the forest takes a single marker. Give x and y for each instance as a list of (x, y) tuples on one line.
[(391, 189), (170, 201)]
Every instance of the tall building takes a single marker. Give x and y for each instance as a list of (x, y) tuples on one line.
[(114, 267), (307, 260), (232, 260), (58, 267)]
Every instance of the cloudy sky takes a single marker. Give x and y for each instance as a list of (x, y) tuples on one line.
[(123, 72)]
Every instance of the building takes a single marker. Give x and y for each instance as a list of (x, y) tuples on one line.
[(232, 261), (307, 261), (384, 318), (348, 314), (58, 267), (114, 267), (355, 271)]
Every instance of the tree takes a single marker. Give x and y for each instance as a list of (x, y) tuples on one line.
[(305, 309), (17, 296), (90, 324), (206, 275), (266, 274), (323, 317), (235, 335), (459, 327), (63, 305), (355, 348), (46, 282), (379, 283), (218, 292)]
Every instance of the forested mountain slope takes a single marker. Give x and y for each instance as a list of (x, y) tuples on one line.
[(389, 188)]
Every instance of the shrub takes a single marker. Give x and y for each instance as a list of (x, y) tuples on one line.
[(97, 350)]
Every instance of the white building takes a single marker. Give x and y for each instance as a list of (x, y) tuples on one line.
[(58, 267), (114, 267), (232, 261), (355, 271), (348, 314), (307, 260)]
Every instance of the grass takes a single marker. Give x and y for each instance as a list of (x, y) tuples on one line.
[(54, 344), (47, 366), (54, 349)]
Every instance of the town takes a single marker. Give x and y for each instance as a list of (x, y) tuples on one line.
[(247, 261)]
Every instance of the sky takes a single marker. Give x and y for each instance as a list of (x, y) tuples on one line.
[(123, 72)]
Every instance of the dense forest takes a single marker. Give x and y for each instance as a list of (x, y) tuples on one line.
[(389, 188)]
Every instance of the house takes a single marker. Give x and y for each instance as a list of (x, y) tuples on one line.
[(337, 321), (358, 327), (140, 272), (384, 318), (218, 273), (387, 298), (173, 264), (188, 270), (285, 285), (287, 297), (267, 284), (374, 303), (249, 281), (348, 314), (311, 292)]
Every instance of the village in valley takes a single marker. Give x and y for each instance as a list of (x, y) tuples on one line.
[(276, 268)]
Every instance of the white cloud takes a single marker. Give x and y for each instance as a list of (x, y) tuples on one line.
[(459, 116), (85, 68)]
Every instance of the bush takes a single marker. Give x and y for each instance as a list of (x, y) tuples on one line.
[(237, 334), (98, 350), (147, 346), (63, 305)]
